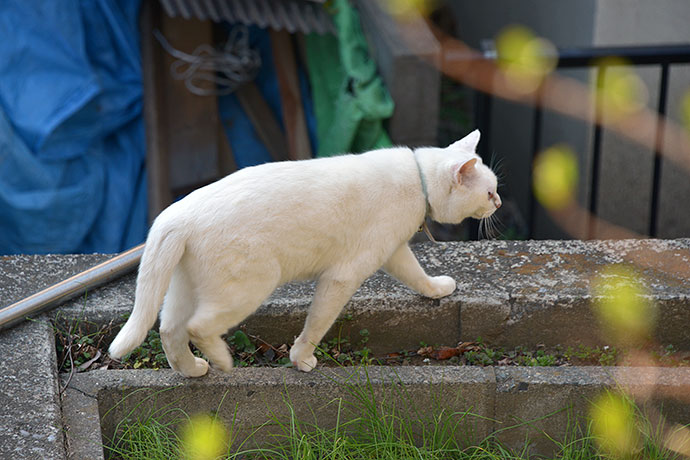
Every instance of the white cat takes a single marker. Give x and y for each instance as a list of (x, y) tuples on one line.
[(217, 254)]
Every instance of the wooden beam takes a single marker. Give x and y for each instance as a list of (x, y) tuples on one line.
[(299, 147), (265, 124), (159, 196)]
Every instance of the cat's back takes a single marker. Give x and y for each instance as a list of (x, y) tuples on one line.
[(301, 183), (304, 214), (327, 200)]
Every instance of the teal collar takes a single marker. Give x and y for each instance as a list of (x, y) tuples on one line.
[(425, 191)]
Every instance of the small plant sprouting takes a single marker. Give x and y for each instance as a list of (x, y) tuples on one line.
[(149, 354), (603, 356)]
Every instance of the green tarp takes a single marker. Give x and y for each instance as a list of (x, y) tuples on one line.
[(350, 100)]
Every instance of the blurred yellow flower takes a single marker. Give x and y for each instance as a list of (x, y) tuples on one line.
[(622, 91), (555, 177), (623, 307), (408, 9), (614, 426), (524, 58), (203, 438)]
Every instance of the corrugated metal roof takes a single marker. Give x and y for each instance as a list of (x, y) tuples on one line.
[(307, 16)]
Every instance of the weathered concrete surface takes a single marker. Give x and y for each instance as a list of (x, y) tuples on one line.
[(82, 423), (253, 396), (550, 399), (508, 292), (525, 293), (512, 402), (23, 275), (30, 415)]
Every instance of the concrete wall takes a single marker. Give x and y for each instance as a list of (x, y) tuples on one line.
[(626, 169)]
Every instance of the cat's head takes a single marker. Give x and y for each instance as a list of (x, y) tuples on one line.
[(469, 185)]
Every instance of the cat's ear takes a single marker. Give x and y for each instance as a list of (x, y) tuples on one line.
[(461, 172), (468, 143)]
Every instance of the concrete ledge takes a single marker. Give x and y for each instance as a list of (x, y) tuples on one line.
[(510, 293), (30, 415), (252, 395), (503, 397)]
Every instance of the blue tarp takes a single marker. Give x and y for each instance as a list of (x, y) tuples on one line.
[(72, 147)]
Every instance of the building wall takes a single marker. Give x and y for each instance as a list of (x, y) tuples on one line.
[(626, 169)]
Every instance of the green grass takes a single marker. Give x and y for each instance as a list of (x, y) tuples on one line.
[(370, 424)]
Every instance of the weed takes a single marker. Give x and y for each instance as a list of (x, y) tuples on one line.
[(604, 356), (340, 351), (149, 354)]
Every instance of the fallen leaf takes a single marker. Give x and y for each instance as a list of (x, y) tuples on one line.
[(444, 353), (468, 346), (425, 351)]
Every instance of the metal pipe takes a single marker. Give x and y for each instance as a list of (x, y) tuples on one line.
[(70, 288)]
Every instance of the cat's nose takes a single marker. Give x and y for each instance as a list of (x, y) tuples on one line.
[(497, 201)]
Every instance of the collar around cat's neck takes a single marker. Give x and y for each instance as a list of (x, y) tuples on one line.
[(424, 227)]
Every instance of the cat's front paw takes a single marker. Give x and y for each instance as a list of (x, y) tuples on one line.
[(305, 365), (441, 286), (302, 358)]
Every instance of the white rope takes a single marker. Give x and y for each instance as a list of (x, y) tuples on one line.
[(209, 71)]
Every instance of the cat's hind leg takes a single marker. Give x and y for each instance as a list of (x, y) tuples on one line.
[(217, 314), (205, 330), (179, 305)]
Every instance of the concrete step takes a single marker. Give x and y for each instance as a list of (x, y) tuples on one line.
[(509, 293)]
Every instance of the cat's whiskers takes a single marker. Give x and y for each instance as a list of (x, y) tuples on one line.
[(498, 226), (496, 165), (489, 227)]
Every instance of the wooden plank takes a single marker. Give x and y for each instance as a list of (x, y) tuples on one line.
[(265, 124), (191, 120), (226, 160), (159, 195), (299, 147)]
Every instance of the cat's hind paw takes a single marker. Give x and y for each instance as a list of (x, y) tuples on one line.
[(441, 286), (200, 368)]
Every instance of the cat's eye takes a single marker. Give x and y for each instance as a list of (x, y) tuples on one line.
[(491, 195)]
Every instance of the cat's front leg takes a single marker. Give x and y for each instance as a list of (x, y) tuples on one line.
[(404, 266), (329, 299)]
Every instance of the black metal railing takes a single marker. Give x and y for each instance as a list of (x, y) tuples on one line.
[(568, 58)]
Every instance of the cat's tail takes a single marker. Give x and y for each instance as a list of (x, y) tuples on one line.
[(163, 251)]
